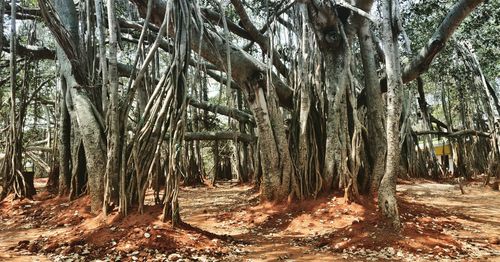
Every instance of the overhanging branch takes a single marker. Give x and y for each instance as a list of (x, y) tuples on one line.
[(467, 132), (222, 135), (438, 40), (223, 110), (212, 48)]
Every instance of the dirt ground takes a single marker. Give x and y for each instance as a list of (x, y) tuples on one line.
[(227, 223)]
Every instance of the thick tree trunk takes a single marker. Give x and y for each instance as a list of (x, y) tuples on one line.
[(375, 107), (387, 191), (336, 120), (334, 37), (74, 70), (64, 141), (278, 172), (95, 149)]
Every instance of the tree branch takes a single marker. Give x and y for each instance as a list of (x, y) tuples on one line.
[(234, 28), (466, 132), (262, 40), (212, 48), (223, 110), (436, 43), (34, 52), (438, 40), (24, 12), (223, 135)]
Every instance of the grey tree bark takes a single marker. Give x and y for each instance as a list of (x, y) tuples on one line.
[(73, 68), (112, 175), (64, 141), (387, 191), (375, 106)]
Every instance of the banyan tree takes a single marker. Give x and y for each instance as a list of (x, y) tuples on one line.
[(314, 96)]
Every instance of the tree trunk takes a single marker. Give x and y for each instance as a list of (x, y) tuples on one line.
[(278, 172), (64, 141), (74, 69), (387, 191), (95, 149), (375, 107), (114, 146)]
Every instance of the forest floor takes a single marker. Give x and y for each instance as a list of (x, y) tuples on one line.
[(228, 223)]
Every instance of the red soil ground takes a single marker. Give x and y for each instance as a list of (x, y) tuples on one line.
[(228, 223)]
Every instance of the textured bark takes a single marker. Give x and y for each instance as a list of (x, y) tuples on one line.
[(11, 169), (84, 114), (2, 12), (14, 139), (64, 141), (102, 52), (114, 146), (333, 43), (215, 153), (336, 122), (278, 173), (95, 148), (334, 28), (375, 107), (387, 191)]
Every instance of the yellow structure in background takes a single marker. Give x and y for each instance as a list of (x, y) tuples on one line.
[(442, 149), (443, 152)]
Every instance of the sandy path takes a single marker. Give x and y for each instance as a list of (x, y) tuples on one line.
[(208, 208), (219, 210), (478, 209), (11, 238), (205, 208), (10, 235)]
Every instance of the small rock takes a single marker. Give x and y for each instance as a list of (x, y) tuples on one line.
[(174, 257), (147, 235), (494, 240), (34, 247), (23, 243)]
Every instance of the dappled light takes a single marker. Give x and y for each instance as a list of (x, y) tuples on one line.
[(249, 130)]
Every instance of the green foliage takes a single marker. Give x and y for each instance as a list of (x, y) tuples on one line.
[(449, 74)]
